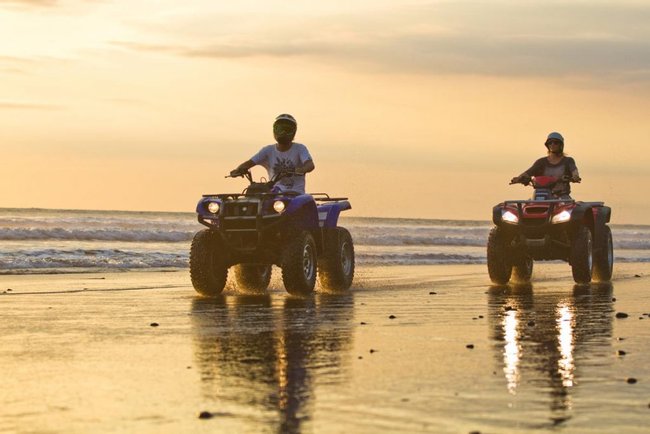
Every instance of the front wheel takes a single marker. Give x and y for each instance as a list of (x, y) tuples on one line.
[(582, 256), (299, 264), (336, 267), (253, 278), (522, 270), (208, 263), (604, 256), (499, 266)]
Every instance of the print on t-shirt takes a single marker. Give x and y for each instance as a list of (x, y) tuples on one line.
[(285, 165)]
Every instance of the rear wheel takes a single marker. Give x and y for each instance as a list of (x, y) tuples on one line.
[(499, 266), (522, 270), (253, 278), (604, 256), (336, 266), (299, 264), (208, 263), (582, 256)]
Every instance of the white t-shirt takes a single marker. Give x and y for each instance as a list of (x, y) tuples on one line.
[(275, 161)]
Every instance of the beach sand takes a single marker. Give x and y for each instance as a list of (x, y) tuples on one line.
[(409, 349)]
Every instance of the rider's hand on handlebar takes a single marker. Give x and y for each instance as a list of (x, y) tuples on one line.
[(237, 172), (571, 178), (522, 179)]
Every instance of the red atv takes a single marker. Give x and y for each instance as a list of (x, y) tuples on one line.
[(547, 228)]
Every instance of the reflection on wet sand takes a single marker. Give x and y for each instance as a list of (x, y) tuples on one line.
[(263, 356), (543, 335)]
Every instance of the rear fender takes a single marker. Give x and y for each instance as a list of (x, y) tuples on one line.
[(601, 216), (604, 213), (328, 213)]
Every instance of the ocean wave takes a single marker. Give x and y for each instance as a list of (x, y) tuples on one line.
[(79, 260), (45, 234), (361, 237), (407, 240), (416, 259), (95, 258), (632, 244)]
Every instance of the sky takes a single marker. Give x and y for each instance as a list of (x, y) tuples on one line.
[(418, 109)]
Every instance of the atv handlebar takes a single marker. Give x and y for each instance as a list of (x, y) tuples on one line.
[(277, 177), (529, 180), (247, 174)]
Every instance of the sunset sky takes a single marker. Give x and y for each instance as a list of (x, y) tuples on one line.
[(411, 108)]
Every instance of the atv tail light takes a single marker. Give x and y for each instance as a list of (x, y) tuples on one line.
[(213, 207), (561, 217), (278, 206), (509, 217)]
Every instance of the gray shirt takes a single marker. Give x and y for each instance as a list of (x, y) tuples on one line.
[(543, 167), (275, 161)]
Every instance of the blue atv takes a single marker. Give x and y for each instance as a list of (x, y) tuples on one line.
[(264, 226)]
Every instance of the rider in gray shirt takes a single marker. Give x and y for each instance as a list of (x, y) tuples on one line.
[(555, 164)]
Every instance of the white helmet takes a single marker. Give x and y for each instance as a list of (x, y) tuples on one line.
[(284, 128)]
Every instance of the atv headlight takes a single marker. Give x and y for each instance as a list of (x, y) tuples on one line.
[(562, 217), (509, 217), (278, 206), (213, 207)]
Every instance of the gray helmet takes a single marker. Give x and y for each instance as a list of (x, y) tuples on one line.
[(553, 137)]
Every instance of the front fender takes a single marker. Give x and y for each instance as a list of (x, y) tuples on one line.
[(302, 210), (202, 206), (496, 214), (581, 213)]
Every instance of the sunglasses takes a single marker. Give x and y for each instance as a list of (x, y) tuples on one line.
[(553, 142)]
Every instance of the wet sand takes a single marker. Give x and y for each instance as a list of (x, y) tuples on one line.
[(79, 353)]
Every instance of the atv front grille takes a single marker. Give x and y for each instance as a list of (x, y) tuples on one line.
[(536, 210), (240, 209), (239, 224)]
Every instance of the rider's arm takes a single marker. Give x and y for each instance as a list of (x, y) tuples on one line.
[(573, 169), (535, 170), (305, 159), (243, 167), (306, 168), (259, 158), (575, 176)]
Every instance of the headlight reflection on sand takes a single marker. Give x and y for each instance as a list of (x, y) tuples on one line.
[(511, 350), (283, 372), (565, 324)]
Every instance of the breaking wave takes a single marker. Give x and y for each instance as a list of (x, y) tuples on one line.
[(42, 234)]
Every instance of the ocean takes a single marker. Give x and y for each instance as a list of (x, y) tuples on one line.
[(63, 241)]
